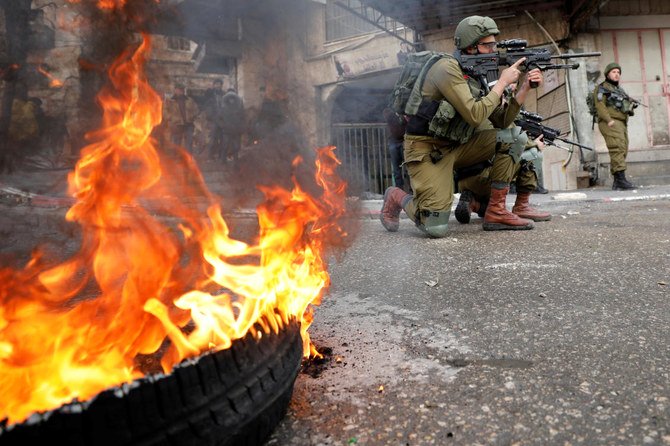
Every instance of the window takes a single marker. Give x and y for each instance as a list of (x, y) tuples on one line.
[(341, 23), (178, 44)]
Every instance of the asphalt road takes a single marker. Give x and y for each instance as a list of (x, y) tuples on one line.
[(555, 336)]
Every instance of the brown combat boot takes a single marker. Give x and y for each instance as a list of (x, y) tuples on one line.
[(390, 213), (467, 204), (498, 218), (522, 208)]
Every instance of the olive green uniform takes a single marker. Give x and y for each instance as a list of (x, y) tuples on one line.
[(431, 161), (616, 137), (525, 174), (534, 155)]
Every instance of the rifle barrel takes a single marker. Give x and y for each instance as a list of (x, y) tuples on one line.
[(571, 55), (571, 66), (575, 143)]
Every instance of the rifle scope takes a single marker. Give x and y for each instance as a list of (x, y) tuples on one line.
[(513, 44), (530, 116)]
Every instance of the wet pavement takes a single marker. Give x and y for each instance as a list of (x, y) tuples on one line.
[(555, 336)]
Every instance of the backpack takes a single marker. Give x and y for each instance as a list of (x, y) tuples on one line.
[(591, 104), (416, 64)]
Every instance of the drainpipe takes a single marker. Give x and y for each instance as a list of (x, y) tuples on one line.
[(575, 82), (582, 119)]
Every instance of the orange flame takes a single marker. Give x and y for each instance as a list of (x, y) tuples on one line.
[(141, 286), (53, 81), (106, 4)]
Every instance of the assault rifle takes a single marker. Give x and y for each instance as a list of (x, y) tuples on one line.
[(619, 97), (478, 65), (531, 123)]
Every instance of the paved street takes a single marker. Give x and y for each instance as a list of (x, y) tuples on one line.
[(554, 336)]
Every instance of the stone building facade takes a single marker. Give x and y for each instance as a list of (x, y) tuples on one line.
[(328, 72)]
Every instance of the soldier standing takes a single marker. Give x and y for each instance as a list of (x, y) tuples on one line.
[(613, 111), (475, 125), (212, 108)]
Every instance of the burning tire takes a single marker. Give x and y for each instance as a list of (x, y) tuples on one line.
[(231, 397)]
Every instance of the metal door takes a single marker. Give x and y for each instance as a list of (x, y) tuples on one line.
[(643, 56)]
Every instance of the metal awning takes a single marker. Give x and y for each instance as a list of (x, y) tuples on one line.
[(429, 16)]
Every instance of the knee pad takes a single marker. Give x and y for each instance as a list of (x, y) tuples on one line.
[(532, 154), (433, 223), (516, 138)]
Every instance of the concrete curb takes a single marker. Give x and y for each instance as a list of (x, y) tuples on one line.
[(373, 207)]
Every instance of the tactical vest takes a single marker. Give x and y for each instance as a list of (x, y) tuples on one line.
[(434, 118)]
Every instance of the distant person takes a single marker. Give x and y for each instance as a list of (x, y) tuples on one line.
[(232, 124), (212, 107), (395, 125), (180, 113), (613, 107)]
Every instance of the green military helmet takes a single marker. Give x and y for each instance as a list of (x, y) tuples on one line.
[(610, 66), (471, 29)]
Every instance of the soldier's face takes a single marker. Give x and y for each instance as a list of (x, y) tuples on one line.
[(486, 45), (614, 75)]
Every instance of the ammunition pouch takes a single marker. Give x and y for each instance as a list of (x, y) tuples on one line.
[(418, 123), (433, 223), (515, 138), (440, 120)]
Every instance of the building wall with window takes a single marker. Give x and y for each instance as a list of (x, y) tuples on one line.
[(300, 55)]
